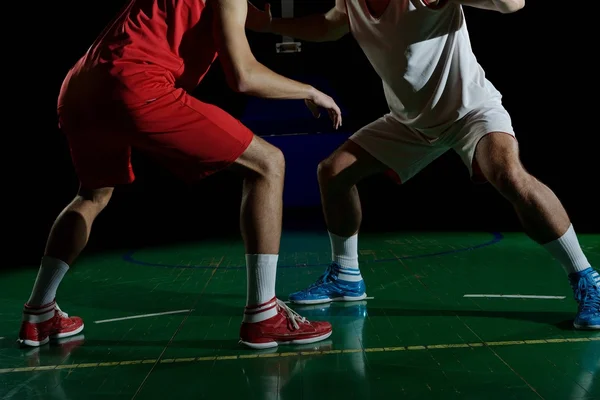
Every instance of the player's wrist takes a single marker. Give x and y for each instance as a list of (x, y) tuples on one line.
[(311, 93)]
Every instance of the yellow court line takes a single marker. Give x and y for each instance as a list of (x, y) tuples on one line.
[(299, 354)]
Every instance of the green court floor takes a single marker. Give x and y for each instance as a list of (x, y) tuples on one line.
[(449, 316)]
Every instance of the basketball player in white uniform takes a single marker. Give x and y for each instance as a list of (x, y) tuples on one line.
[(439, 99)]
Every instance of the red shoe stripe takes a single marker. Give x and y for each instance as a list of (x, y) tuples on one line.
[(261, 310), (39, 310), (261, 305)]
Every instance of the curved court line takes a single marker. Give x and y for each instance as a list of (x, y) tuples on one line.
[(497, 236), (255, 354)]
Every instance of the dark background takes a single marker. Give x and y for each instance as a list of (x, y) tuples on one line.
[(519, 53)]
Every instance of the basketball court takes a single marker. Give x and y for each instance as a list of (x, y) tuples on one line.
[(449, 315)]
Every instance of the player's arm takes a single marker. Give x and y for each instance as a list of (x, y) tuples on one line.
[(330, 26), (503, 6), (243, 72)]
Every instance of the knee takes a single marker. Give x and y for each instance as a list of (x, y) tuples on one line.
[(261, 160), (326, 171), (498, 157), (272, 165), (510, 179), (330, 172), (97, 198)]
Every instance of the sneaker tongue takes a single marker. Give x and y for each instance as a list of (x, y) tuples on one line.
[(61, 312), (323, 278), (332, 273), (588, 293)]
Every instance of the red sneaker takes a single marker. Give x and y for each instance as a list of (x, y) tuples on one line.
[(286, 327), (40, 324)]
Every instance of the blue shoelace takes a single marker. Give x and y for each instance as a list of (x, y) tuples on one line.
[(587, 295), (329, 275)]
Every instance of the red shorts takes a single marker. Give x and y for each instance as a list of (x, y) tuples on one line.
[(191, 138)]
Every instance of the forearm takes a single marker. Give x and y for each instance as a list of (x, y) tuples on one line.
[(312, 28), (260, 81), (503, 6)]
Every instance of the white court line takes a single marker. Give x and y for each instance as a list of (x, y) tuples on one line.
[(141, 316), (515, 296), (366, 298)]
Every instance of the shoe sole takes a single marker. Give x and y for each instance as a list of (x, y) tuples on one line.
[(587, 327), (34, 343), (331, 299), (67, 334), (268, 345)]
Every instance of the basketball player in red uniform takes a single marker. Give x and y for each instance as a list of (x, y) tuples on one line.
[(131, 90)]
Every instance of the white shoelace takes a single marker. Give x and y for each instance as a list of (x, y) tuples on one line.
[(61, 312), (292, 315)]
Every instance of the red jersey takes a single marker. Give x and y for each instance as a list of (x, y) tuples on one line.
[(153, 43)]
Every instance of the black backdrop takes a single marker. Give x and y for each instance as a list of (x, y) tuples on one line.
[(521, 54)]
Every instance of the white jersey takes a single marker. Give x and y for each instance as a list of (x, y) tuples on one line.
[(430, 75)]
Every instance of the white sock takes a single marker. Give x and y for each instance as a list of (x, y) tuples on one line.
[(261, 271), (567, 251), (51, 273), (344, 251)]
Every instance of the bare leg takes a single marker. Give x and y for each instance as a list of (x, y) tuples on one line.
[(539, 210), (71, 230), (544, 220), (338, 176), (68, 237), (266, 320), (263, 169)]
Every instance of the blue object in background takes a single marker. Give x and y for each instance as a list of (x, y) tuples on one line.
[(278, 117), (303, 139), (302, 156)]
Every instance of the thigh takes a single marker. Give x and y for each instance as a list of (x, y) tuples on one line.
[(467, 134), (400, 149), (191, 138), (353, 162)]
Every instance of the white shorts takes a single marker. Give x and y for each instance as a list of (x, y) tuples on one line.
[(407, 151)]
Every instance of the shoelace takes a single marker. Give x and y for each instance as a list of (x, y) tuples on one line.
[(61, 312), (588, 296), (292, 315), (328, 275)]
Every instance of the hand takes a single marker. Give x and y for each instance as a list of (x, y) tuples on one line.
[(257, 20), (319, 99)]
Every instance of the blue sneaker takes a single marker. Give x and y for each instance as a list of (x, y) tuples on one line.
[(586, 286), (330, 288)]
